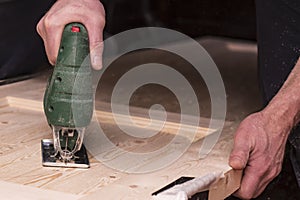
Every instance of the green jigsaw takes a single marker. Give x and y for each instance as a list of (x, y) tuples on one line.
[(68, 100)]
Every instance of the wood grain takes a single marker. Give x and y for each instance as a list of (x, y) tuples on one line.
[(23, 125), (13, 191)]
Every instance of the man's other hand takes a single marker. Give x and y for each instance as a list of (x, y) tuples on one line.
[(259, 146)]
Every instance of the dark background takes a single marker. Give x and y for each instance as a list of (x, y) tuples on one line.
[(229, 18), (24, 52)]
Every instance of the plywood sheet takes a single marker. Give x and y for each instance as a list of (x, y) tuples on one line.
[(13, 191), (23, 125)]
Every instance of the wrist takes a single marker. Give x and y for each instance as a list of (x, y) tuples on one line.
[(284, 110)]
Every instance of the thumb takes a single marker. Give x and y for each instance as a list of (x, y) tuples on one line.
[(96, 46), (240, 154), (96, 50)]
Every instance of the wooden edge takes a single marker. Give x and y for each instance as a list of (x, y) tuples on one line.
[(14, 191), (25, 103), (141, 122), (226, 185), (3, 102)]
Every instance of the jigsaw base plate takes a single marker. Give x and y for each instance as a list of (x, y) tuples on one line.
[(81, 158)]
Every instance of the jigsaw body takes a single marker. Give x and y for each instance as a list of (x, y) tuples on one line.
[(68, 100)]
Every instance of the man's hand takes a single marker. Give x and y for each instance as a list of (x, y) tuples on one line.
[(259, 149), (260, 140), (88, 12)]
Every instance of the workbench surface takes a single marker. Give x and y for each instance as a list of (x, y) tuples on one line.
[(22, 176)]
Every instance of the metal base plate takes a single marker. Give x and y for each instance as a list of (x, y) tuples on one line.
[(81, 160)]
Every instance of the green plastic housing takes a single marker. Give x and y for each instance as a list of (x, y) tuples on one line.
[(68, 99)]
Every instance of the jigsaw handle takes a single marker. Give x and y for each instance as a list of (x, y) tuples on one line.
[(68, 99)]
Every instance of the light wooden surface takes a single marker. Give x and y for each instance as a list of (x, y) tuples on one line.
[(23, 125), (14, 191)]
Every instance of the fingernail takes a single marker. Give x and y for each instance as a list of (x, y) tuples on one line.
[(97, 62)]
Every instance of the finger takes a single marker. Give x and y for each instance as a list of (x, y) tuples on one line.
[(51, 35), (260, 189), (269, 176), (52, 46), (249, 184), (96, 43), (240, 153), (39, 27)]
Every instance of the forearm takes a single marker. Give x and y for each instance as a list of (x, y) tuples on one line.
[(260, 140), (284, 108)]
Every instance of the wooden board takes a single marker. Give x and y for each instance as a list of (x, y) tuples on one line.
[(23, 125), (13, 191)]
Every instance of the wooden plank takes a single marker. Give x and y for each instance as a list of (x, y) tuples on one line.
[(137, 186), (108, 117), (23, 125), (21, 192)]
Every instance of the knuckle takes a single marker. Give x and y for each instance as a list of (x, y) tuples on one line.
[(97, 45), (39, 29), (101, 8), (237, 156), (50, 55), (263, 169), (99, 21), (49, 21), (96, 14), (97, 42), (246, 195), (99, 16), (51, 59), (275, 172)]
